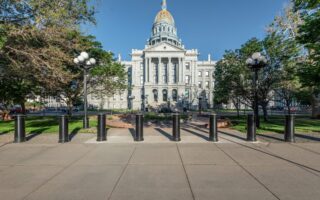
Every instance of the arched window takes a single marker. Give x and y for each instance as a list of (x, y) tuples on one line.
[(174, 95), (165, 95), (155, 95)]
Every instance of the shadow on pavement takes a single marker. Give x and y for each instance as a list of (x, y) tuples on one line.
[(35, 133), (270, 137), (308, 137), (74, 133), (164, 133), (232, 135), (196, 134), (6, 132), (132, 132)]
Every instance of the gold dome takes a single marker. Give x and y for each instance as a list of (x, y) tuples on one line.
[(164, 16)]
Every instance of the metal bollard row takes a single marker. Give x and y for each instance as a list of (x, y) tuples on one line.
[(20, 133)]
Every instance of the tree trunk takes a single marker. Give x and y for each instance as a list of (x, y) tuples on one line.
[(69, 111), (237, 105), (265, 112), (23, 107), (288, 106)]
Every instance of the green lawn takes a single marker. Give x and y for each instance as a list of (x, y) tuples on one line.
[(276, 124), (47, 125)]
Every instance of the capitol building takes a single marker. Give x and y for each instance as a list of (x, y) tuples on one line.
[(164, 73)]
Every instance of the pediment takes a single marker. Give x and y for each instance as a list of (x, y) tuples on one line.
[(164, 46)]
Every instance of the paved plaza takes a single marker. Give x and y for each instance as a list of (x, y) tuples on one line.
[(159, 168)]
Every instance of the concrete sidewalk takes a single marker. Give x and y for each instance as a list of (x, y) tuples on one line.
[(231, 169)]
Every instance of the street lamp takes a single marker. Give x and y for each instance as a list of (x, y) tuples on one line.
[(86, 63), (255, 63)]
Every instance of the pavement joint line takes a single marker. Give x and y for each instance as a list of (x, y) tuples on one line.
[(122, 173), (58, 173), (185, 171), (248, 172), (274, 155), (316, 173), (31, 156), (306, 149), (5, 144), (271, 154)]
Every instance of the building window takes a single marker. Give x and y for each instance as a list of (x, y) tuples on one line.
[(155, 74), (114, 97), (165, 95), (188, 79), (155, 95), (213, 84), (165, 73), (175, 75), (141, 67), (200, 73), (141, 79), (199, 84), (207, 84), (207, 73), (187, 93), (188, 66), (174, 95)]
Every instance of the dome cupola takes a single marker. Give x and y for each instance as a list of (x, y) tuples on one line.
[(164, 29)]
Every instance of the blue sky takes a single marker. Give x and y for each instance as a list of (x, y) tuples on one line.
[(211, 26)]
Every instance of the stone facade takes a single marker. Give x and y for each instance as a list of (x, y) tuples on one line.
[(164, 73)]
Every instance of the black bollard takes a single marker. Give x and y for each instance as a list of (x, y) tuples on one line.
[(289, 129), (139, 128), (176, 127), (213, 133), (251, 129), (102, 132), (20, 130), (63, 129)]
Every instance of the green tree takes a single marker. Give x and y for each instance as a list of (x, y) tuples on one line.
[(230, 82), (309, 32), (287, 53), (38, 42)]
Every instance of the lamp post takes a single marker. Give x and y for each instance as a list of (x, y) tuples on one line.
[(255, 63), (86, 63)]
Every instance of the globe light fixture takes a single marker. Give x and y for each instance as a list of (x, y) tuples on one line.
[(84, 55), (86, 63), (81, 59)]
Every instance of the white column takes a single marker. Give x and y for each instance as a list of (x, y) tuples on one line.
[(183, 71)]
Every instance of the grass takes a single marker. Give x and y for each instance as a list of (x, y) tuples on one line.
[(46, 125), (276, 124)]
